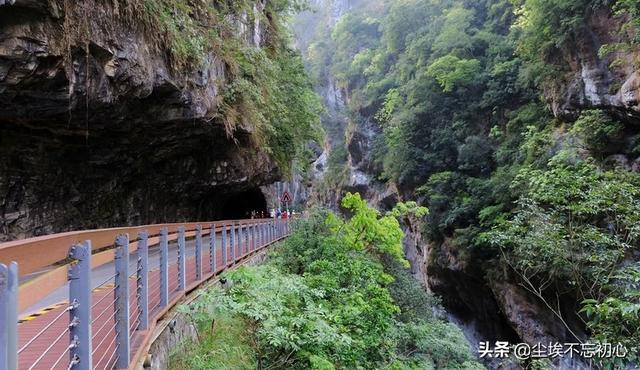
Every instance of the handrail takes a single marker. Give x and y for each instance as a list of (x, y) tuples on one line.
[(126, 312), (57, 248), (57, 245)]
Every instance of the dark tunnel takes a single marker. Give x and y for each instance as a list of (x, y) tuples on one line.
[(241, 204)]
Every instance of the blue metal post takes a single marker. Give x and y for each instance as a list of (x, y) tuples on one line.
[(80, 348), (212, 249), (240, 249), (266, 231), (247, 247), (122, 301), (143, 279), (182, 278), (258, 236), (252, 237), (245, 235), (224, 247), (264, 234), (275, 230), (199, 252), (164, 267), (233, 242), (254, 231), (9, 316)]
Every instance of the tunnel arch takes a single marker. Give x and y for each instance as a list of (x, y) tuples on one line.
[(241, 204)]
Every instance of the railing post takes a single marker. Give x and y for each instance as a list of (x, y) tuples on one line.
[(265, 236), (254, 237), (265, 233), (232, 232), (242, 240), (240, 250), (143, 280), (181, 259), (164, 267), (122, 301), (80, 348), (198, 252), (9, 316), (212, 249), (260, 236), (247, 247), (224, 247)]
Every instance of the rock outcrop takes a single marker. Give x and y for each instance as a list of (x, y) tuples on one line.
[(593, 80), (98, 128)]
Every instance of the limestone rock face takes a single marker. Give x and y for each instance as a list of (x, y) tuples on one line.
[(106, 132), (610, 82)]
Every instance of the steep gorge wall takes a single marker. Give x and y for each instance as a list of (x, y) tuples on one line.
[(98, 128), (487, 301), (593, 79)]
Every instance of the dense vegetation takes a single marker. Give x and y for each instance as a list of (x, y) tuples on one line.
[(336, 294), (454, 87)]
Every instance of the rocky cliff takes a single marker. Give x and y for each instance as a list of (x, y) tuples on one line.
[(482, 296), (99, 126), (600, 71), (489, 300)]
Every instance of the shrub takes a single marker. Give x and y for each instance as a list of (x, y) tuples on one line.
[(598, 130)]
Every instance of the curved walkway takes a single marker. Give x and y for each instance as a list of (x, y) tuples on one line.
[(176, 260)]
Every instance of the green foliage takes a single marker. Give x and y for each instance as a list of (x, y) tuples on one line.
[(455, 32), (328, 299), (536, 144), (616, 318), (631, 9), (439, 343), (573, 226), (416, 305), (455, 88), (547, 26), (367, 231), (391, 101), (189, 30), (597, 130), (222, 344), (451, 72)]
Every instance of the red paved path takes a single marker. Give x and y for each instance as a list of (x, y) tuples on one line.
[(49, 350)]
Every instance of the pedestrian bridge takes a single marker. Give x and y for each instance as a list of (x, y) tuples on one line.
[(91, 299)]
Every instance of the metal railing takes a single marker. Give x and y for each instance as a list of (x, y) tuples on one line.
[(107, 325)]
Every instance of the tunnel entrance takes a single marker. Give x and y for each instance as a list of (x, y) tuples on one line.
[(241, 204)]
